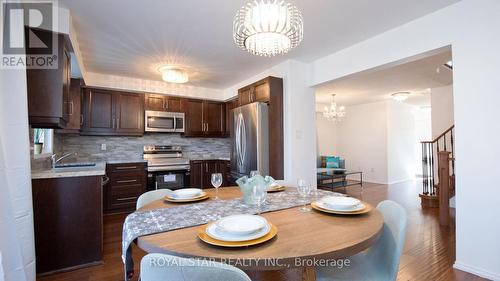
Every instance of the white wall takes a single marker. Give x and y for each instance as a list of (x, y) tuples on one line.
[(400, 142), (16, 212), (442, 109), (362, 140), (471, 28), (423, 132), (326, 136), (375, 138)]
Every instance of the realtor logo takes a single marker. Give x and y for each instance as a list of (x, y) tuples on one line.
[(26, 30)]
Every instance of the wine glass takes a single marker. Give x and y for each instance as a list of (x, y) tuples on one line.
[(254, 173), (304, 189), (216, 182), (259, 196)]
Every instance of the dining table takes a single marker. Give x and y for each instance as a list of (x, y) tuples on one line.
[(304, 239)]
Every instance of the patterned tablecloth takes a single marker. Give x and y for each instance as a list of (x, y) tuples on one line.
[(142, 223)]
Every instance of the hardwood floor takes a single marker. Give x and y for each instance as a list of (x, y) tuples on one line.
[(429, 250)]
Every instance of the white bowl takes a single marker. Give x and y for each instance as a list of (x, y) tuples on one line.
[(340, 202), (241, 224), (186, 193)]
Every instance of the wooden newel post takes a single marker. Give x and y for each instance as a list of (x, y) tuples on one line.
[(444, 187)]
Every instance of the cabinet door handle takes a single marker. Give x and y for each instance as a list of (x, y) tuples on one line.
[(126, 168), (70, 108), (126, 181), (206, 167), (117, 123), (126, 198), (81, 119)]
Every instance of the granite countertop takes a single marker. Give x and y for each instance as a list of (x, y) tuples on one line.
[(98, 170)]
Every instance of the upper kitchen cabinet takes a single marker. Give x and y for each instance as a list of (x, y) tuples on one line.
[(230, 105), (158, 102), (214, 114), (75, 113), (49, 89), (259, 91), (108, 112), (205, 118)]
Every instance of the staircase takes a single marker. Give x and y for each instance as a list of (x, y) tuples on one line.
[(438, 169)]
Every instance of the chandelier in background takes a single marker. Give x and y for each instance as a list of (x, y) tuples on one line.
[(173, 75), (268, 27), (333, 112)]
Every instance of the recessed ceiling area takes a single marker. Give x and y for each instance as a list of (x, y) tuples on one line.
[(133, 38), (416, 77)]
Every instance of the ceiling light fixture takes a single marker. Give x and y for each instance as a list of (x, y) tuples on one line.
[(268, 27), (334, 113), (173, 75), (400, 96)]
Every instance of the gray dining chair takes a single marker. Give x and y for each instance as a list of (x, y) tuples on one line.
[(161, 267), (381, 261), (151, 196)]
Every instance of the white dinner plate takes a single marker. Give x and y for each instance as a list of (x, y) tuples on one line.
[(213, 231), (241, 224), (186, 193), (360, 206), (340, 203)]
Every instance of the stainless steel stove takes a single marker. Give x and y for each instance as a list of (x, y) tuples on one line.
[(167, 168)]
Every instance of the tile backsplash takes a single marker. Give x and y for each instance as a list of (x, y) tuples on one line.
[(88, 148)]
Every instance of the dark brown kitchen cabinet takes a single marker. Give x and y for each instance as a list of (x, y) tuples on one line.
[(195, 125), (256, 92), (49, 89), (66, 209), (205, 118), (75, 104), (230, 105), (202, 170), (107, 112), (127, 181), (129, 114), (158, 102)]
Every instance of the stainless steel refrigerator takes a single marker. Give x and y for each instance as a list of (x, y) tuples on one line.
[(250, 140)]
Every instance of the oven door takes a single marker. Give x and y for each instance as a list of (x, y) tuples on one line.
[(158, 121), (168, 180)]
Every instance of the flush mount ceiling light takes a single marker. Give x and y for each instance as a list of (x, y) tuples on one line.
[(400, 96), (334, 113), (268, 27), (173, 75)]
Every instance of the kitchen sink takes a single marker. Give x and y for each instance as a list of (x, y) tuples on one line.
[(75, 165)]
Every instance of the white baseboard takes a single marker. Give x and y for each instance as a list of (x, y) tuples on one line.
[(476, 271)]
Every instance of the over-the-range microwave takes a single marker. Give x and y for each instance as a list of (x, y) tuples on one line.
[(166, 122)]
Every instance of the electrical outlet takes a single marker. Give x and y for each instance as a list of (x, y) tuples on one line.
[(103, 146)]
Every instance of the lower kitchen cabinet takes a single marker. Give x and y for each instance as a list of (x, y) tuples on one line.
[(68, 222), (127, 181), (202, 170)]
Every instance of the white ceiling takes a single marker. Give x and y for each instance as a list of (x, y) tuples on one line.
[(131, 38), (416, 77)]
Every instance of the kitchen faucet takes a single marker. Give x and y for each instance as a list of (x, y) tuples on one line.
[(55, 161)]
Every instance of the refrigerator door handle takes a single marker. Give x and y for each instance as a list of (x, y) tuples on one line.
[(243, 141), (238, 140)]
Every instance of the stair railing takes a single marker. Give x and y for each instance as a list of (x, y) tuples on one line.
[(430, 165)]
